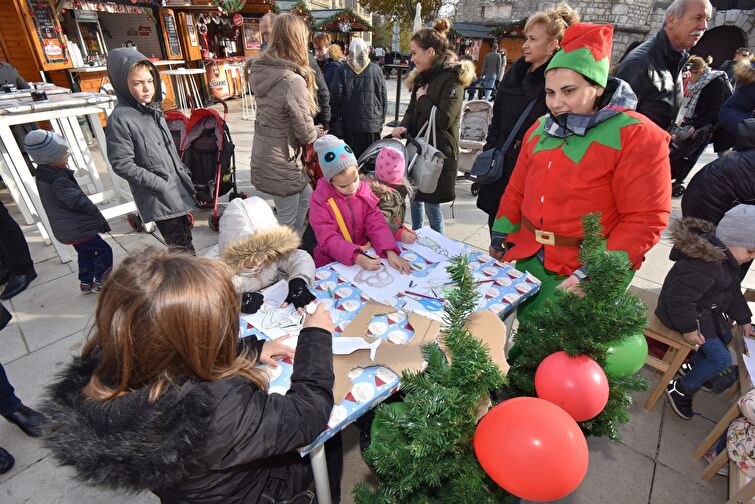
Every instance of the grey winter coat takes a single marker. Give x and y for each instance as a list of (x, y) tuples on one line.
[(201, 442), (283, 125), (73, 217), (141, 149), (491, 65), (358, 98)]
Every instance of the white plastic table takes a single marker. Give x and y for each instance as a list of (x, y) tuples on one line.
[(62, 111)]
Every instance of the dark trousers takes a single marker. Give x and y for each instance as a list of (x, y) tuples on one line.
[(334, 456), (14, 252), (360, 141), (8, 400), (176, 233), (95, 259)]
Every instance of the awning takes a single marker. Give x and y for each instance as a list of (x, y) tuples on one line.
[(469, 30), (339, 20)]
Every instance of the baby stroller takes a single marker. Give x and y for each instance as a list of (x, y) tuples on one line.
[(366, 162), (475, 120), (208, 151)]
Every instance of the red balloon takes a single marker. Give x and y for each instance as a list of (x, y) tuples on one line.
[(532, 449), (578, 385)]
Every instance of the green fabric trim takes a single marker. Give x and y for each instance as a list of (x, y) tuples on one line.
[(504, 225), (583, 62), (575, 147)]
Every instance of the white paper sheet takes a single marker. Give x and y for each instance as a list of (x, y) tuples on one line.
[(382, 285), (273, 320), (434, 246)]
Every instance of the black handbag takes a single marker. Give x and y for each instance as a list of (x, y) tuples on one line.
[(488, 166)]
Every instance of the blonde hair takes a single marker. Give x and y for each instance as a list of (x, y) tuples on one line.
[(336, 54), (555, 20), (162, 317), (696, 63), (288, 41)]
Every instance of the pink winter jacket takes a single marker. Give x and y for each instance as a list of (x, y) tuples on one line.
[(363, 219)]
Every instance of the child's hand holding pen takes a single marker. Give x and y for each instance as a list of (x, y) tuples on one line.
[(367, 261)]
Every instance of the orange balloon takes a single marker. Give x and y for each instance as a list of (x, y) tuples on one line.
[(532, 449), (576, 384)]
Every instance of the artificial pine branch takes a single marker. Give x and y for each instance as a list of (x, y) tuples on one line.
[(423, 454), (586, 326)]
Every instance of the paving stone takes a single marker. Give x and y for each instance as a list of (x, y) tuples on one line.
[(642, 432), (673, 487), (13, 345)]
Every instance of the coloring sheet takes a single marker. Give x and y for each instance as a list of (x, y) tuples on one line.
[(434, 246), (273, 320), (382, 284)]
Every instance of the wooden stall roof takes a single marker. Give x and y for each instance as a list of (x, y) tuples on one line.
[(328, 19)]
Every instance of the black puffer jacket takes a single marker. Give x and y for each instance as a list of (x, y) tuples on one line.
[(518, 87), (200, 442), (359, 99), (654, 71), (73, 217), (445, 82), (725, 182), (323, 95), (703, 287)]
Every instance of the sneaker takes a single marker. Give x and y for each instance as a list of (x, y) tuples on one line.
[(710, 456), (722, 380), (680, 401), (96, 287), (85, 288), (685, 369)]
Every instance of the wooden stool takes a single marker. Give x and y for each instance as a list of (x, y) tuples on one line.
[(674, 356)]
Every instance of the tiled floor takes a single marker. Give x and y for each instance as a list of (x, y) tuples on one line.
[(653, 464)]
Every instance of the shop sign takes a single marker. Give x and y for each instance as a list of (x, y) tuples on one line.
[(252, 37), (217, 81), (145, 31), (49, 33)]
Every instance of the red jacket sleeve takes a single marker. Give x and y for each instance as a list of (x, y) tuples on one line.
[(509, 216), (642, 191)]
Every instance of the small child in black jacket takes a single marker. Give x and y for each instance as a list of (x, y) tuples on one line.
[(702, 294), (74, 219)]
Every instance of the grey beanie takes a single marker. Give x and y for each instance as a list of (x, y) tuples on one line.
[(737, 227), (334, 156), (45, 147)]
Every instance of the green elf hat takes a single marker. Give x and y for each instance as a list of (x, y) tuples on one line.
[(586, 49)]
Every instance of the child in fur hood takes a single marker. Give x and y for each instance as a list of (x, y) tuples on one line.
[(702, 294), (261, 252)]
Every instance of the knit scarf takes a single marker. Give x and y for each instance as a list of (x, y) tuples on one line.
[(689, 104)]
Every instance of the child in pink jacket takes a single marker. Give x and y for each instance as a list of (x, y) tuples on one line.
[(344, 213)]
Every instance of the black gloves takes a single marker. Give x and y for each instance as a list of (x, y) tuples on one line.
[(251, 302), (498, 241), (298, 293)]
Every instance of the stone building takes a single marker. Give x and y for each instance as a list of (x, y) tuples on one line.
[(732, 25)]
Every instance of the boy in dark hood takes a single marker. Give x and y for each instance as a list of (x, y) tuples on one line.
[(141, 149), (702, 294)]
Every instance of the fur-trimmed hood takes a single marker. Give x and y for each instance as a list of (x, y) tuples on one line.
[(695, 239), (465, 70), (126, 443), (250, 232)]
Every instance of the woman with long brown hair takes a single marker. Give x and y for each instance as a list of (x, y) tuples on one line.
[(284, 86), (165, 398)]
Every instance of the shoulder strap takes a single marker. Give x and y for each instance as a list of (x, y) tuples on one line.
[(340, 221), (518, 124)]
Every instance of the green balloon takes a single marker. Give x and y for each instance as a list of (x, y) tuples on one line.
[(626, 356), (377, 425)]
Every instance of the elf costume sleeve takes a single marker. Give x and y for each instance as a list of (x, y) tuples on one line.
[(642, 190)]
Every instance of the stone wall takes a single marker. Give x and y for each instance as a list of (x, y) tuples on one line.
[(632, 19)]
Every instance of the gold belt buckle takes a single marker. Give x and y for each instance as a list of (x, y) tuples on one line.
[(545, 237)]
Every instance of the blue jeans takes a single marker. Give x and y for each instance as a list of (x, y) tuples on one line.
[(710, 359), (434, 215), (488, 81), (95, 259), (8, 400)]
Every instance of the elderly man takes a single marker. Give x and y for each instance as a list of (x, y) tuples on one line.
[(322, 119), (654, 68)]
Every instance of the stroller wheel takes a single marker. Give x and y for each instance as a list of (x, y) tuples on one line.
[(190, 215), (475, 189), (214, 222), (677, 190), (135, 221)]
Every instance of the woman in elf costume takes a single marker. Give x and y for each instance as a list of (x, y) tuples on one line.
[(591, 153)]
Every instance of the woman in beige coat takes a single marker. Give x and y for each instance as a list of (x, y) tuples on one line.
[(284, 87)]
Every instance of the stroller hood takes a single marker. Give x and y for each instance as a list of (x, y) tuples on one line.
[(366, 161)]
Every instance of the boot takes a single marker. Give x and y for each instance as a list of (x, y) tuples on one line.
[(680, 399)]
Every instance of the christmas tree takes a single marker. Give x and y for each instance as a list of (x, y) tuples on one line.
[(588, 326), (423, 453)]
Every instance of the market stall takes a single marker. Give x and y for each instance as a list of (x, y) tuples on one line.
[(342, 25)]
